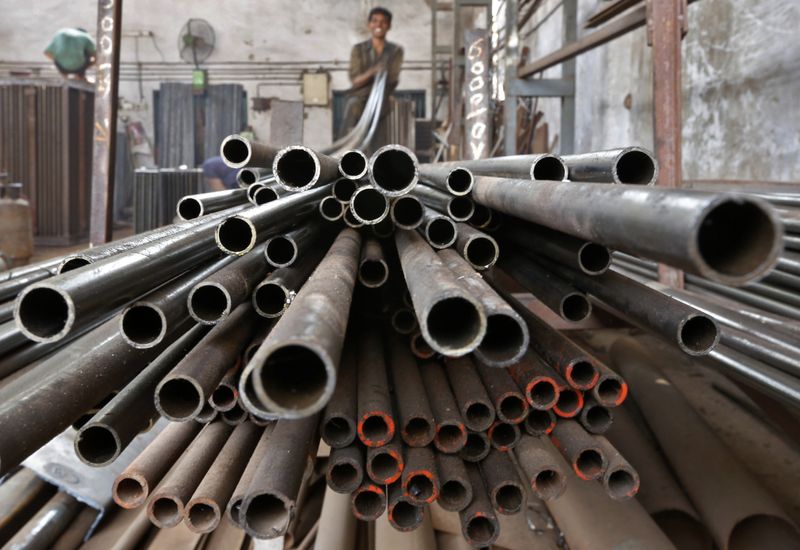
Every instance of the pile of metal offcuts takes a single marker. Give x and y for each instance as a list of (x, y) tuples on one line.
[(382, 306)]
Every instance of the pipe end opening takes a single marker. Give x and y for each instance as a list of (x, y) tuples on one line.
[(549, 167), (44, 314), (459, 181), (236, 235), (698, 335), (481, 252), (294, 377), (97, 445), (455, 325), (209, 302), (179, 399), (190, 208), (636, 167), (143, 325)]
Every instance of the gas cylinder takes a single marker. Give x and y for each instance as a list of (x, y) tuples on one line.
[(16, 228)]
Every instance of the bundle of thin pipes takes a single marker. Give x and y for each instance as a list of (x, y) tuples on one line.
[(364, 301)]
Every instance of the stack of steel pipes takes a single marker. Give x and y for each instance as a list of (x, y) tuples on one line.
[(380, 306)]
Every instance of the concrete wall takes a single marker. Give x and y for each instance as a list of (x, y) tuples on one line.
[(741, 70), (246, 30)]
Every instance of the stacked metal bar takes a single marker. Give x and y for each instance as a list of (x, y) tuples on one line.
[(367, 304), (157, 191), (46, 143)]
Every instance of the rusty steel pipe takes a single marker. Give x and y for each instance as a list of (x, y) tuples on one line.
[(504, 436), (101, 440), (539, 422), (166, 505), (451, 434), (353, 164), (594, 417), (383, 229), (145, 323), (452, 321), (376, 425), (439, 230), (404, 321), (234, 416), (611, 390), (385, 464), (298, 168), (406, 212), (582, 450), (133, 486), (728, 238), (240, 233), (576, 366), (551, 290), (620, 480), (628, 165), (394, 170), (481, 217), (237, 496), (478, 248), (209, 501), (182, 393), (414, 414), (535, 167), (270, 503), (476, 408), (479, 525), (346, 468), (456, 181), (284, 249), (191, 207), (537, 240), (44, 401), (338, 427), (420, 482), (239, 152), (226, 395), (294, 370), (537, 380), (507, 399), (543, 466), (373, 271), (476, 448), (368, 501), (420, 347), (403, 514), (45, 527), (455, 489), (502, 483)]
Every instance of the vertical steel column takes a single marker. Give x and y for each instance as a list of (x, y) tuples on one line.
[(570, 27), (512, 59), (665, 31), (109, 25)]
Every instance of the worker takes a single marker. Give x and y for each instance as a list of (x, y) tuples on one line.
[(73, 51), (218, 175), (367, 59)]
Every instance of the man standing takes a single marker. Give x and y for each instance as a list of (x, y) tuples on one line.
[(73, 51), (367, 59)]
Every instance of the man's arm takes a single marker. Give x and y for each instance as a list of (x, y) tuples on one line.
[(360, 76), (394, 65)]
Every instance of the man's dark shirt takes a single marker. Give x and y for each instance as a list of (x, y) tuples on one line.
[(215, 167), (363, 56)]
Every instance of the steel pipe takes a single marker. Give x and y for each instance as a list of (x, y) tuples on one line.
[(331, 209), (455, 488), (345, 472), (275, 294), (505, 491), (415, 417), (338, 428), (478, 248), (146, 322), (133, 486), (353, 164), (451, 434), (406, 212), (582, 450), (237, 497), (452, 321), (594, 417), (248, 176), (368, 501), (191, 207), (385, 464), (420, 482), (369, 205), (283, 250), (394, 170), (239, 234), (439, 230), (477, 409), (476, 448), (458, 208), (537, 380), (182, 393), (629, 165), (504, 436), (298, 168), (506, 337), (535, 167), (456, 181), (479, 525), (294, 370), (264, 194), (544, 468), (728, 238), (376, 425), (342, 189), (103, 438), (509, 403), (402, 513), (239, 152)]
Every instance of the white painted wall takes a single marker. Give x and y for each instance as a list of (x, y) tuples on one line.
[(246, 30), (741, 71)]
